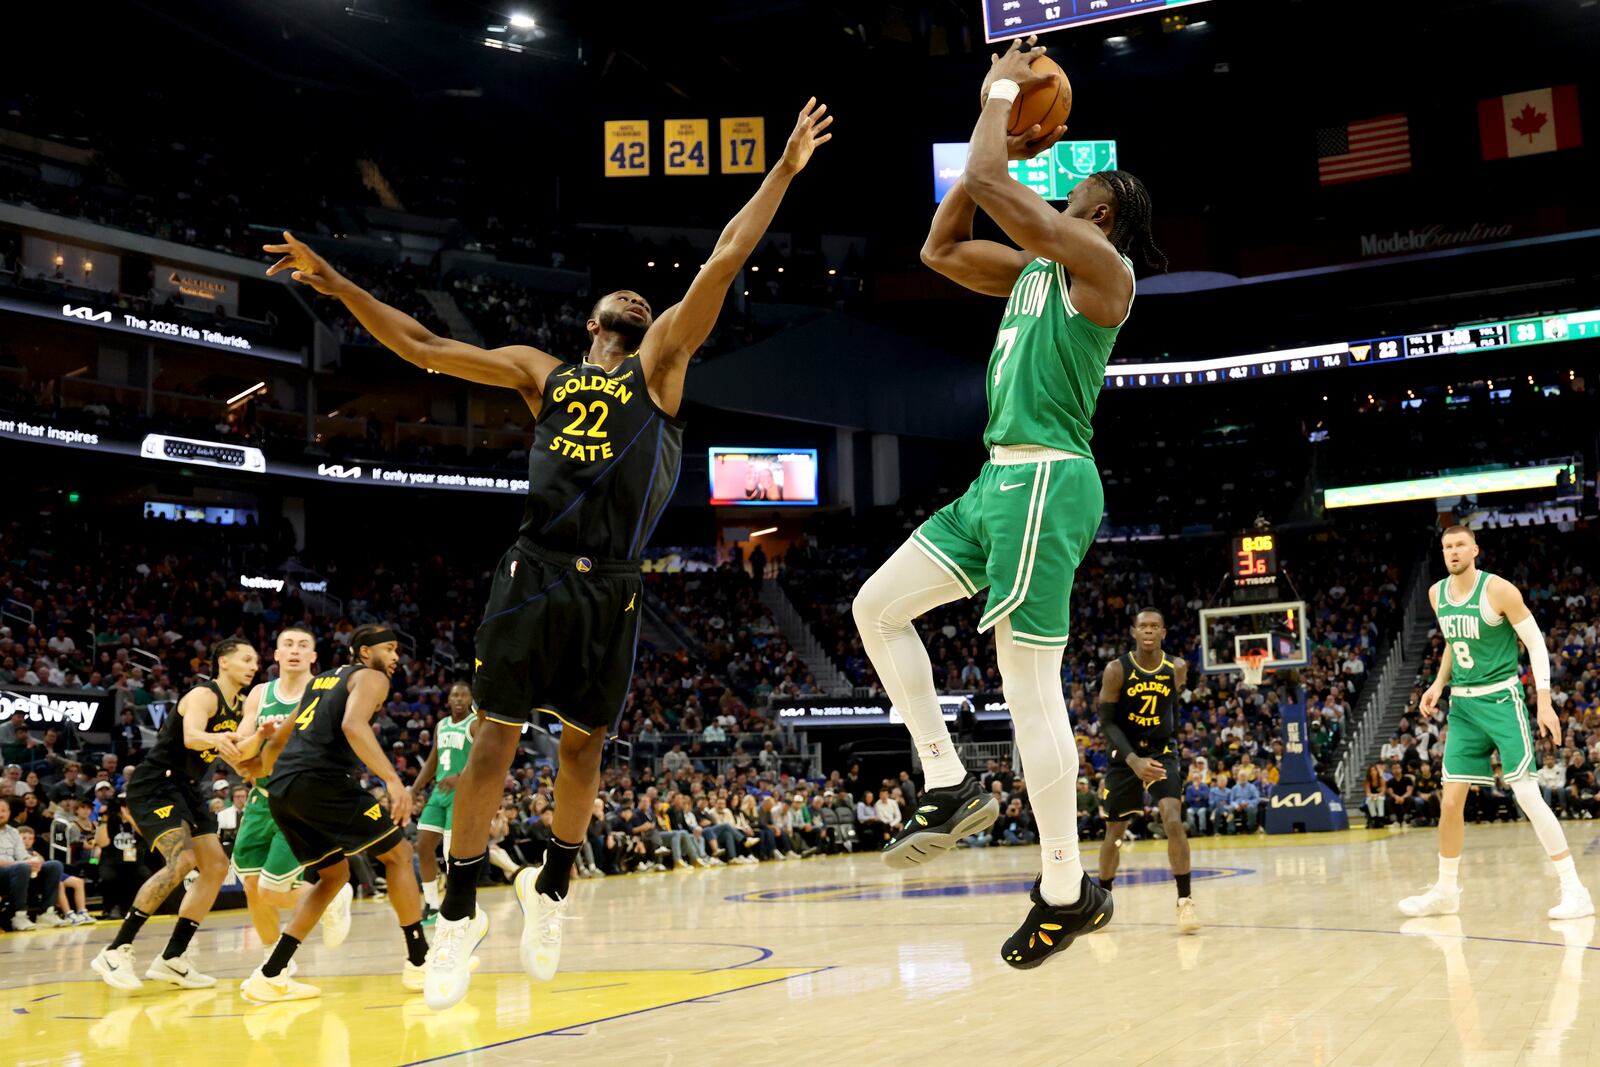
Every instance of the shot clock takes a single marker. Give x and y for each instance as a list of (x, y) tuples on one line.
[(1255, 560)]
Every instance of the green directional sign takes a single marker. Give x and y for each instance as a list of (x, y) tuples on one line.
[(1056, 173)]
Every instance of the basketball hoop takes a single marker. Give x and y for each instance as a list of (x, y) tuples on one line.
[(1253, 666)]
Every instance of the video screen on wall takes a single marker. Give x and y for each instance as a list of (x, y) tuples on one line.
[(763, 476)]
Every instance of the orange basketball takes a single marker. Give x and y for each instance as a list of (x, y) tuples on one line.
[(1046, 104)]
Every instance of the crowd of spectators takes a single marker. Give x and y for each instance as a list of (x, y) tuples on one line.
[(1554, 570)]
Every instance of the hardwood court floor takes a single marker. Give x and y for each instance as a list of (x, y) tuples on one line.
[(1303, 960)]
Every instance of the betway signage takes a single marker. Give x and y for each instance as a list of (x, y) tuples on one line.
[(54, 707), (1431, 238), (102, 316)]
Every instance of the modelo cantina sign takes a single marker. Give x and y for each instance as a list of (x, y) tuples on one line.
[(77, 708), (1426, 240)]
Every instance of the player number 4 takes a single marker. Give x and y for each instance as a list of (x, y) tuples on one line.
[(1463, 653), (1003, 342), (304, 718)]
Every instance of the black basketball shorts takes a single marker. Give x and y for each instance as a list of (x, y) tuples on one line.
[(325, 818), (1122, 795), (558, 637), (162, 801)]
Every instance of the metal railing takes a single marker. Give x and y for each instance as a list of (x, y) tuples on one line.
[(16, 609), (1369, 712)]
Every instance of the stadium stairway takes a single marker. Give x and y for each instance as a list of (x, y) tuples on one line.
[(829, 678), (657, 631), (1413, 648), (445, 306)]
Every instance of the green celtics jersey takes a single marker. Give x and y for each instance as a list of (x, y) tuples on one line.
[(1483, 644), (1048, 365), (455, 742), (274, 709)]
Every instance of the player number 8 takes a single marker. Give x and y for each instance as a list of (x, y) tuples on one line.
[(1463, 653)]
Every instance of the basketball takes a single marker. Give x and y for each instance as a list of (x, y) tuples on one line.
[(1046, 104)]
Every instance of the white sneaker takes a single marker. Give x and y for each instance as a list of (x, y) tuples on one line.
[(117, 967), (20, 921), (259, 989), (1575, 904), (180, 972), (791, 855), (1434, 901), (541, 926), (51, 917), (448, 971), (81, 918), (414, 978), (336, 917), (718, 861), (1188, 916)]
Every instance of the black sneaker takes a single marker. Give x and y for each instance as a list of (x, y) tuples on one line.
[(1049, 929), (943, 817)]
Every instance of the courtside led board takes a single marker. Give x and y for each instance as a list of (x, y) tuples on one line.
[(763, 477), (1006, 19), (1473, 484), (1051, 174)]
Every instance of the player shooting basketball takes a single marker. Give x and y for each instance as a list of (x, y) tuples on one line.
[(1029, 517)]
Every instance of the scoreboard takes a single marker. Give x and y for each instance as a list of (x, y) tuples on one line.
[(1051, 174), (1005, 19), (1255, 560), (1337, 355)]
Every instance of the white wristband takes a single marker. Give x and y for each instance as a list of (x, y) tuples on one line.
[(1004, 89)]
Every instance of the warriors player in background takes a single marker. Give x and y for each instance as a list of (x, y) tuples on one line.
[(174, 816), (1139, 714)]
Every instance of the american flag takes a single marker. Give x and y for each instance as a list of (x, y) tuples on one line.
[(1364, 149)]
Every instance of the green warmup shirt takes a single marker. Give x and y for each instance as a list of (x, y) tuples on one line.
[(1048, 365), (1484, 652)]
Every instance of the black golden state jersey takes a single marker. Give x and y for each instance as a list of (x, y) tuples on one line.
[(169, 752), (1147, 704), (316, 732), (604, 462)]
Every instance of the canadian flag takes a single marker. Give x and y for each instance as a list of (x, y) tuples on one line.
[(1526, 124)]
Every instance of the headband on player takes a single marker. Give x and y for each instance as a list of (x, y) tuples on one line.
[(371, 639)]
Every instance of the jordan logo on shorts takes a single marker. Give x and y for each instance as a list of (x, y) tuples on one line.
[(632, 599), (513, 568), (373, 812), (163, 811)]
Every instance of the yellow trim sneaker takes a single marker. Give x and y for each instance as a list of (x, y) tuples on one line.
[(542, 917), (448, 972), (259, 989), (1188, 916), (1048, 929), (943, 817)]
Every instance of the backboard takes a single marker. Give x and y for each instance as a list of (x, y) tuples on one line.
[(1228, 633)]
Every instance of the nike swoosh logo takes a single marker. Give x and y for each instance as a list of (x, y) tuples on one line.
[(1004, 487)]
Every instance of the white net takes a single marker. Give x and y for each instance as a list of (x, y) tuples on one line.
[(1253, 665)]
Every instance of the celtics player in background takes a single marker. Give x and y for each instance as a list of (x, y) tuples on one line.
[(1482, 616), (1031, 514), (452, 743), (1139, 714), (562, 622), (263, 859)]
